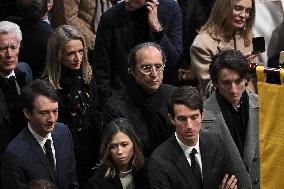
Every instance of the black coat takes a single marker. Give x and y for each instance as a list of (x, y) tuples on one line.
[(34, 46), (78, 108), (99, 181), (148, 113)]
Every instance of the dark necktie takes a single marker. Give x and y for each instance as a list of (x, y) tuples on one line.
[(49, 154), (195, 167)]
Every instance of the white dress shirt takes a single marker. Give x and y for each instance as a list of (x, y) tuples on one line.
[(42, 141), (187, 150)]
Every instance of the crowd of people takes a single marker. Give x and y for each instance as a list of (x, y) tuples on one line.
[(128, 94)]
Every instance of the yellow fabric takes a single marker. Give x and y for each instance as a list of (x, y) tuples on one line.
[(271, 132)]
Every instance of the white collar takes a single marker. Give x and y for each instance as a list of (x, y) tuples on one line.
[(41, 140), (12, 73), (187, 149)]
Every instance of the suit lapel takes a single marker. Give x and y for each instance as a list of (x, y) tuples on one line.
[(251, 140), (206, 157), (3, 107), (181, 163), (39, 152)]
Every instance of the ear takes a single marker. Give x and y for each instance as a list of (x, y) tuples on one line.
[(27, 113), (171, 119), (202, 115)]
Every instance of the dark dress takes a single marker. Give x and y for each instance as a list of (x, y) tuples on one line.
[(78, 109), (99, 181)]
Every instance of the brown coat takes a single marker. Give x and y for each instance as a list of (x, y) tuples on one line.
[(83, 14), (202, 50)]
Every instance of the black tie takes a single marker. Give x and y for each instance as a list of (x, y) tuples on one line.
[(195, 167), (49, 154)]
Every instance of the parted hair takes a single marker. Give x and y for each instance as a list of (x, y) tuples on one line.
[(185, 95), (36, 88), (59, 37), (115, 126), (228, 58), (220, 12)]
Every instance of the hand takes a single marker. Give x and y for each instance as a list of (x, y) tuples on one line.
[(152, 6), (229, 183), (250, 57)]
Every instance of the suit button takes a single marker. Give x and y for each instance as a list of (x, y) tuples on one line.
[(255, 181), (255, 158)]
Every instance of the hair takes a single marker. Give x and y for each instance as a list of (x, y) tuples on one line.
[(34, 89), (114, 127), (59, 37), (33, 10), (188, 96), (40, 184), (228, 58), (10, 27), (132, 57), (220, 12)]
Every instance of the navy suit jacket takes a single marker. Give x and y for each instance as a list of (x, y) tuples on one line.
[(24, 160), (168, 167), (116, 37)]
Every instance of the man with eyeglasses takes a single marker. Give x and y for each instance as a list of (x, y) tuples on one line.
[(235, 109), (144, 101), (11, 82)]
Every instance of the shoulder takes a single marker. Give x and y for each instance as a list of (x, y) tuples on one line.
[(115, 11), (98, 179), (203, 39), (253, 99), (162, 152), (168, 3), (25, 68)]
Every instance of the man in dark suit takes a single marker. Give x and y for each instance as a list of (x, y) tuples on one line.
[(190, 158), (44, 148), (36, 30), (13, 76), (128, 24)]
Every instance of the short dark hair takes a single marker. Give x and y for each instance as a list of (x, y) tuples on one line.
[(34, 89), (228, 58), (32, 10), (40, 184), (188, 96), (115, 126), (132, 57)]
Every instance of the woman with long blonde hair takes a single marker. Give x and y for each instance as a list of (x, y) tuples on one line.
[(228, 26)]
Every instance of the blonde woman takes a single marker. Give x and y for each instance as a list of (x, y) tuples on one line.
[(68, 70), (228, 26)]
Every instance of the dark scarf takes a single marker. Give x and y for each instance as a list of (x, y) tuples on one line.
[(147, 104), (236, 120)]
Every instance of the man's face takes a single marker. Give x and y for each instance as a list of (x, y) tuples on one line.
[(230, 85), (9, 51), (150, 58), (43, 116), (132, 5), (188, 123)]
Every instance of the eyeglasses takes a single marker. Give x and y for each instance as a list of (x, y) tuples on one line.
[(240, 10), (146, 69)]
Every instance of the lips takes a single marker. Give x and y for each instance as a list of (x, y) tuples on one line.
[(121, 158)]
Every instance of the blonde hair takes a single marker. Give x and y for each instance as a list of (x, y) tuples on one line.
[(59, 37), (217, 20)]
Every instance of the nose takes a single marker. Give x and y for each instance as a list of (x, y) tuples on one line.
[(188, 124), (234, 87), (9, 53), (153, 72), (52, 117), (78, 57), (120, 151)]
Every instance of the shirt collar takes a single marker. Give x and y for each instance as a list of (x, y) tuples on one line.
[(12, 73), (187, 149), (41, 140)]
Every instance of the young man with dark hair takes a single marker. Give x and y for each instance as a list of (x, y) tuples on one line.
[(44, 148), (235, 109), (192, 158)]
